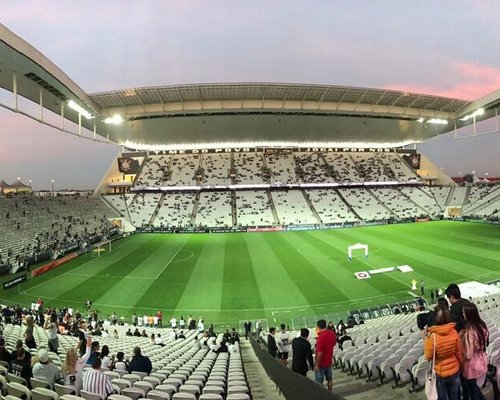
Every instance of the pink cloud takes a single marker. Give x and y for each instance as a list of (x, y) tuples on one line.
[(472, 82)]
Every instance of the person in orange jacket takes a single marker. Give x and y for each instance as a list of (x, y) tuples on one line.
[(444, 339)]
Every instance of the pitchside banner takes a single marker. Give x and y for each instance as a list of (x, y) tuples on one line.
[(128, 165), (15, 281)]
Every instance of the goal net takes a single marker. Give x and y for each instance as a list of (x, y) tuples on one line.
[(357, 246)]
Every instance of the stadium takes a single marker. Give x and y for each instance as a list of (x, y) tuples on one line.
[(274, 203)]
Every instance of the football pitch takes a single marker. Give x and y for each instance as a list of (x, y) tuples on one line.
[(290, 277)]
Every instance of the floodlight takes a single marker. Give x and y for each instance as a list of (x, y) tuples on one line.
[(421, 119), (79, 109), (479, 111), (115, 119), (438, 121)]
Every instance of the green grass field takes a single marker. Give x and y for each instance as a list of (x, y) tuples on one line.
[(285, 276)]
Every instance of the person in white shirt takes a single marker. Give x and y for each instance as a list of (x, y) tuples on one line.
[(283, 342), (201, 326), (173, 323), (44, 370), (145, 320), (182, 323), (159, 340)]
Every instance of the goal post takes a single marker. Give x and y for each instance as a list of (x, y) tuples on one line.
[(101, 247), (357, 246)]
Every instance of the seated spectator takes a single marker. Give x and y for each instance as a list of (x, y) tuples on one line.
[(21, 366), (129, 332), (94, 353), (94, 381), (139, 362), (44, 370), (181, 335), (158, 340), (104, 356), (428, 319), (136, 332), (4, 353), (234, 346), (223, 347), (72, 368), (120, 364)]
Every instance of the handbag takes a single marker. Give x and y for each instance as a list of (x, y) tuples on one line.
[(430, 377)]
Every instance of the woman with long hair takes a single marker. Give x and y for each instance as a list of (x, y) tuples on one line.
[(29, 339), (52, 327), (474, 341), (72, 368), (443, 342)]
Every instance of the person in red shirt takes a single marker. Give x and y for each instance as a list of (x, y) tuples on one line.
[(324, 354), (159, 315)]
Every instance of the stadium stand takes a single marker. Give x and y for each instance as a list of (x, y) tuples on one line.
[(330, 206), (214, 209), (34, 224), (176, 210), (364, 204), (216, 169), (254, 208), (292, 208)]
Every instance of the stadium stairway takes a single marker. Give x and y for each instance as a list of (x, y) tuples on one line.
[(261, 386), (311, 207), (273, 208)]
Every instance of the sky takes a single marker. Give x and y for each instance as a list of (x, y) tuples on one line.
[(446, 47)]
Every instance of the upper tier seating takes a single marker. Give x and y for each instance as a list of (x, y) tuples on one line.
[(282, 168), (216, 169), (248, 167)]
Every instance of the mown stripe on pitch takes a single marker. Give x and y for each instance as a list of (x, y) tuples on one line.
[(204, 288), (165, 292), (239, 287), (93, 287), (275, 286), (313, 284)]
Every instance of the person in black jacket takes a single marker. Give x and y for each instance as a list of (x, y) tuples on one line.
[(454, 296), (271, 342), (139, 362), (302, 353)]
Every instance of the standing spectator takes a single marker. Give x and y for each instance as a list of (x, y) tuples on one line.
[(324, 354), (283, 342), (182, 323), (52, 327), (29, 339), (159, 315), (454, 296), (94, 381), (173, 322), (302, 353), (258, 326), (422, 287), (248, 328), (139, 362), (201, 325), (44, 370), (474, 341), (444, 340), (72, 368), (271, 342)]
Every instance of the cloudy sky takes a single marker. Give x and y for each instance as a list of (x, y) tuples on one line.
[(446, 47)]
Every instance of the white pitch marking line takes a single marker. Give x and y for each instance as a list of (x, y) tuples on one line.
[(170, 261)]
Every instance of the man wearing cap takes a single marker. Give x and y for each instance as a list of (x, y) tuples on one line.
[(94, 381), (302, 353), (44, 370)]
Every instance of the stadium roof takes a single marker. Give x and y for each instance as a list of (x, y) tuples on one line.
[(223, 114)]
